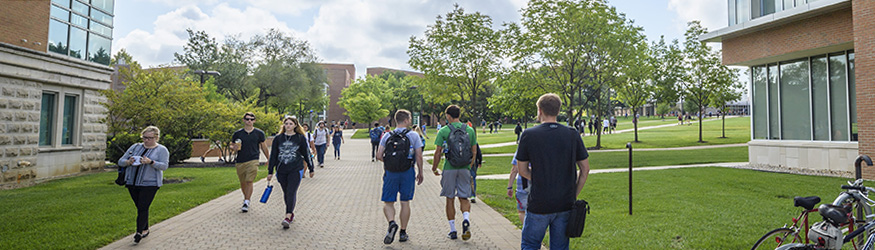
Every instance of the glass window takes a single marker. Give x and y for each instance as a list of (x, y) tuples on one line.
[(47, 117), (774, 128), (58, 37), (838, 93), (795, 106), (79, 7), (852, 94), (106, 5), (78, 42), (62, 3), (79, 20), (60, 14), (99, 49), (100, 29), (742, 13), (768, 6), (800, 3), (819, 98), (760, 102), (101, 17), (788, 4), (69, 120)]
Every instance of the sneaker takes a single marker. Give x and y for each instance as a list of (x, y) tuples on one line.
[(137, 238), (286, 222), (390, 235), (466, 232), (202, 159), (245, 208), (473, 200), (321, 166), (221, 160), (402, 237), (373, 160), (452, 235)]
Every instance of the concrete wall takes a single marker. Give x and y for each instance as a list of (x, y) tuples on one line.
[(804, 154), (24, 75)]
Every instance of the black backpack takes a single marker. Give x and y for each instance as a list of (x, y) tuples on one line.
[(459, 146), (396, 151)]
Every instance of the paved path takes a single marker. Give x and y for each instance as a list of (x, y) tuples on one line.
[(643, 149), (617, 170), (338, 209)]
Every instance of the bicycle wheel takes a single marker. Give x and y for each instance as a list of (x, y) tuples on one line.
[(775, 238)]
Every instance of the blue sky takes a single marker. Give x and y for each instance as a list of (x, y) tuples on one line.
[(367, 33)]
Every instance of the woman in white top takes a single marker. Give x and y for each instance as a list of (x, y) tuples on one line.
[(320, 140), (309, 137)]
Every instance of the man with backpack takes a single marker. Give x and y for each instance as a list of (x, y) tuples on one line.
[(459, 142), (398, 151), (376, 133)]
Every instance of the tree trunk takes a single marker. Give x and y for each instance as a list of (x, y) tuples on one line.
[(635, 123), (724, 125), (700, 125)]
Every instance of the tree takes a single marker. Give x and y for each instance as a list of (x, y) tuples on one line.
[(286, 64), (662, 109), (458, 55), (201, 51), (637, 88), (706, 74), (723, 97), (364, 99), (667, 72), (516, 96)]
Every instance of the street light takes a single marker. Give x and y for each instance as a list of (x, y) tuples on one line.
[(421, 100), (202, 73)]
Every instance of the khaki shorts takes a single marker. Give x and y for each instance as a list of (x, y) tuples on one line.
[(247, 171)]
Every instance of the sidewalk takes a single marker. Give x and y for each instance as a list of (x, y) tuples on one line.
[(617, 170), (338, 209)]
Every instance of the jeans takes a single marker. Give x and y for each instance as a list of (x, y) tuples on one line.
[(374, 147), (536, 225), (336, 148), (320, 153), (142, 197), (473, 180)]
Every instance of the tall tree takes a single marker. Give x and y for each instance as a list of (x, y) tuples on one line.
[(286, 63), (705, 74), (201, 51), (721, 98), (459, 54), (516, 95), (668, 70), (364, 100), (637, 87)]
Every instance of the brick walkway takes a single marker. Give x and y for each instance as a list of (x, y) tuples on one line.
[(338, 209)]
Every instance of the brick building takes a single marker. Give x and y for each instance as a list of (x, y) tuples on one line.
[(339, 77), (812, 66), (53, 65)]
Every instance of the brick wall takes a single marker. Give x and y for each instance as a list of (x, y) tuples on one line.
[(820, 31), (339, 77), (27, 20), (864, 48)]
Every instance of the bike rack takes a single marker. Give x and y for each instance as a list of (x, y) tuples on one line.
[(858, 167)]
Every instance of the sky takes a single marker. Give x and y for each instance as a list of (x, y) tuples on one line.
[(367, 33)]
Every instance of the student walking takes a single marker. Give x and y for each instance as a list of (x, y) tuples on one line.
[(399, 150), (522, 189), (144, 171), (478, 162), (337, 139), (553, 151), (291, 155), (310, 144), (460, 143), (375, 134), (518, 130), (247, 141), (320, 139)]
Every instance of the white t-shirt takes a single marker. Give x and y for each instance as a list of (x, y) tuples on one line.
[(321, 136)]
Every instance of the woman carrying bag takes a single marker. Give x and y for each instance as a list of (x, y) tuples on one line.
[(145, 164), (293, 152)]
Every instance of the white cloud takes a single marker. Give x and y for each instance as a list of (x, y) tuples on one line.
[(293, 7), (712, 13)]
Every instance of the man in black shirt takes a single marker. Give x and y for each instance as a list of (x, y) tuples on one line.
[(248, 140), (554, 150)]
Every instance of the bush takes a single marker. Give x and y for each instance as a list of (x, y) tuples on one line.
[(179, 148)]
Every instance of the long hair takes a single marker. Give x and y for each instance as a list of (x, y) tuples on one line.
[(298, 128)]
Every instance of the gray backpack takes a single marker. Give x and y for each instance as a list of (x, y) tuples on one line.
[(459, 146)]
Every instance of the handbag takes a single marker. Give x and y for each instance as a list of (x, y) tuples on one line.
[(577, 219), (120, 180), (266, 194)]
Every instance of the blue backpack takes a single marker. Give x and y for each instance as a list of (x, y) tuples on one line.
[(375, 135)]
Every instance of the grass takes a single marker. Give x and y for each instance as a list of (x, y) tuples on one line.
[(90, 211), (693, 208), (605, 160)]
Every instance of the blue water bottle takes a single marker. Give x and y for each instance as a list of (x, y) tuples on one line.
[(266, 193)]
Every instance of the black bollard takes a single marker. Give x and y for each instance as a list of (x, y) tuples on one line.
[(629, 146)]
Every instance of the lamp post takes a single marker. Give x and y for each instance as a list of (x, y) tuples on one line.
[(421, 100), (203, 72)]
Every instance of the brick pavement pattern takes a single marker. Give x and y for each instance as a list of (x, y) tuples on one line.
[(338, 209)]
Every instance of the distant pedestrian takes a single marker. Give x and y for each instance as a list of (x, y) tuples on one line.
[(213, 146), (337, 140), (590, 127), (606, 125), (518, 130), (491, 127), (291, 155), (320, 138), (478, 162), (247, 142), (310, 144), (680, 119), (399, 150), (144, 170), (422, 136), (547, 155), (460, 143), (483, 125), (375, 134)]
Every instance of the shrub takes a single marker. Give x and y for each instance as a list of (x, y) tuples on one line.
[(179, 147)]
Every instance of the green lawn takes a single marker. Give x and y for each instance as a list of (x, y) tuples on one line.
[(604, 160), (693, 208), (737, 131), (90, 211)]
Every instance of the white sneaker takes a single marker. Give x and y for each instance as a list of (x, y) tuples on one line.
[(245, 208)]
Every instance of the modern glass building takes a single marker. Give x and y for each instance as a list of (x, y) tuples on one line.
[(806, 67), (82, 29)]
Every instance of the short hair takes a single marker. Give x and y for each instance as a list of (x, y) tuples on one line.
[(402, 115), (549, 104), (248, 114), (376, 124), (152, 129), (454, 111)]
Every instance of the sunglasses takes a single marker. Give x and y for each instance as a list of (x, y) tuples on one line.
[(249, 119), (149, 137)]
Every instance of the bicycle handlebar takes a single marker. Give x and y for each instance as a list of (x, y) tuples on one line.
[(854, 187)]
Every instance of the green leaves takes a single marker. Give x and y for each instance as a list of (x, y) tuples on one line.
[(364, 99)]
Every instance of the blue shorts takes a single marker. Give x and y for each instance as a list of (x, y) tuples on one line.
[(522, 200), (398, 182)]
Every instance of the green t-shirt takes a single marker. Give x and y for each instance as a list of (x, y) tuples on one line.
[(444, 134)]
